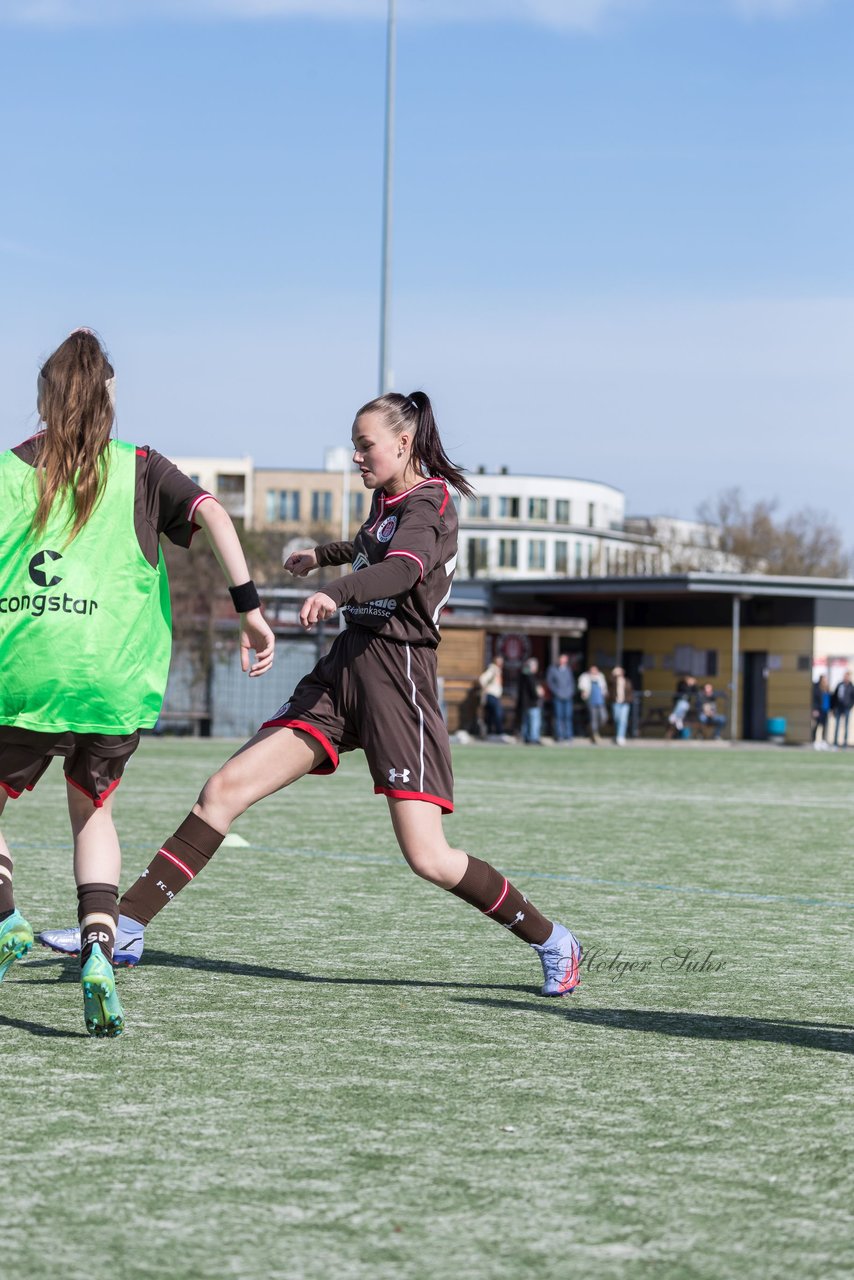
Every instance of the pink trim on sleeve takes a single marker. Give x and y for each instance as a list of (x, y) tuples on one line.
[(411, 556)]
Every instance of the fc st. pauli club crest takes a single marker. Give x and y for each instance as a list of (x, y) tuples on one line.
[(386, 529)]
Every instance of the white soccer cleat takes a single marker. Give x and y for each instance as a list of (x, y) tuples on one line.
[(127, 951), (66, 941)]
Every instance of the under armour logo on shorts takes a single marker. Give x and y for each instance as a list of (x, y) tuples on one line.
[(403, 775)]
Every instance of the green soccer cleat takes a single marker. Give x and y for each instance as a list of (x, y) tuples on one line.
[(16, 938), (101, 1006)]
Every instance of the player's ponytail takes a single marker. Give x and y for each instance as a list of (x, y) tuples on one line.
[(75, 403), (414, 413)]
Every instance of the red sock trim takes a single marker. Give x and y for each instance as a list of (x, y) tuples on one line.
[(502, 895), (182, 866)]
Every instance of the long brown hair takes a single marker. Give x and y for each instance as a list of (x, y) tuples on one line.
[(415, 413), (76, 406)]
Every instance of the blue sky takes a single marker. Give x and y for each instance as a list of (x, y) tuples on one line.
[(623, 244)]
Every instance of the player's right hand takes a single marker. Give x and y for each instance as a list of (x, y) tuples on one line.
[(299, 563)]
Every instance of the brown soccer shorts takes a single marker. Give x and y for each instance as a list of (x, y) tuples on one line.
[(379, 695), (93, 762)]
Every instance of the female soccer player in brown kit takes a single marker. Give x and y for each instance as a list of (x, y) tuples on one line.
[(375, 689), (85, 630)]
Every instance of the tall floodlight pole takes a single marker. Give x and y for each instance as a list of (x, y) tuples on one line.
[(388, 175)]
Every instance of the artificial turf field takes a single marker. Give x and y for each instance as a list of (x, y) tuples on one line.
[(331, 1069)]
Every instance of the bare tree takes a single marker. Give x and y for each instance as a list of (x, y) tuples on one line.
[(805, 543)]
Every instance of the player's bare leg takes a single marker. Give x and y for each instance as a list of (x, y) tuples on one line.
[(97, 867), (420, 834), (271, 760)]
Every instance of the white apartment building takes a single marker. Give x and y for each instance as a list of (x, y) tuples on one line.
[(514, 527), (550, 526)]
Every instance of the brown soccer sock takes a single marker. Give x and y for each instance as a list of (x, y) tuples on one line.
[(7, 899), (182, 857), (98, 913), (493, 894)]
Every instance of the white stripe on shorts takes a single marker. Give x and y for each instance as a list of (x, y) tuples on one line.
[(420, 719)]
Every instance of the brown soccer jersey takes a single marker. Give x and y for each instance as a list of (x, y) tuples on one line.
[(165, 500), (403, 557)]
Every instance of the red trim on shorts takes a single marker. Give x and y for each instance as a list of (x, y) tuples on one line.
[(313, 732), (445, 805), (98, 801), (10, 792)]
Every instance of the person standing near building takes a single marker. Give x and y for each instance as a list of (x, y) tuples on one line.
[(561, 684), (621, 693), (491, 682), (820, 713), (842, 702), (529, 703), (85, 650), (594, 693)]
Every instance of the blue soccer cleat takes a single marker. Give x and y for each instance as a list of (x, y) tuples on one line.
[(130, 940), (16, 939), (561, 961), (102, 1008)]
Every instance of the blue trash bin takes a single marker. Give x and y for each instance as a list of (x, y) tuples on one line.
[(775, 728)]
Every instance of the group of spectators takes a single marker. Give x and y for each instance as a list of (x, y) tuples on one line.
[(558, 691), (838, 704)]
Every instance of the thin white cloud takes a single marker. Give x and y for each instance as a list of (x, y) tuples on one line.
[(583, 15)]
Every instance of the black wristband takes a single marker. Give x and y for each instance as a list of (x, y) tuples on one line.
[(245, 597)]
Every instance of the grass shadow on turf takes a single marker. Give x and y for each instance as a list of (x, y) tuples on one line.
[(831, 1038), (36, 1028), (699, 1026), (70, 972)]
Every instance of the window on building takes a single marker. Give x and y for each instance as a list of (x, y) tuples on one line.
[(579, 566), (538, 508), (478, 507), (508, 553), (561, 557), (536, 553), (562, 511), (508, 508), (591, 514), (357, 507), (321, 506), (289, 504), (283, 504), (477, 556)]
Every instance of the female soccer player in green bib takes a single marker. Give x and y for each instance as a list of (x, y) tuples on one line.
[(85, 629)]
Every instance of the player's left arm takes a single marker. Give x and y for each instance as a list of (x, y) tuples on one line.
[(413, 550)]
